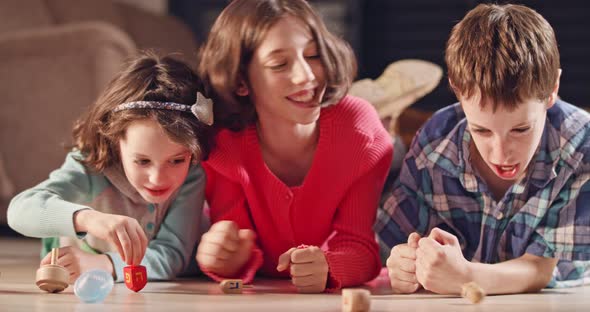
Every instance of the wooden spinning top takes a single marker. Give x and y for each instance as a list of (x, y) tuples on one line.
[(52, 278)]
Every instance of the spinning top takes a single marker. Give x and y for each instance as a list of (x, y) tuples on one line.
[(356, 300), (473, 292), (52, 278), (135, 277), (233, 286)]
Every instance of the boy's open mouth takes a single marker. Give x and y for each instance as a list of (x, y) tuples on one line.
[(506, 171)]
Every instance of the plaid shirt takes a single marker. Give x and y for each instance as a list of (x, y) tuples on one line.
[(546, 214)]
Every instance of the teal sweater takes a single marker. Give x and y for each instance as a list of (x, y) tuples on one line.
[(173, 228)]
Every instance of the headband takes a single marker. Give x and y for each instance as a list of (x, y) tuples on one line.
[(202, 109)]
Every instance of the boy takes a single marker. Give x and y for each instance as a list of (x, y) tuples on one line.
[(494, 189)]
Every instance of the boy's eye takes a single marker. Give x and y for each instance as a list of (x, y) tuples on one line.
[(142, 162), (481, 130)]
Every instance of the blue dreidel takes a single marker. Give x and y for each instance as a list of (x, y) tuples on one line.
[(93, 286)]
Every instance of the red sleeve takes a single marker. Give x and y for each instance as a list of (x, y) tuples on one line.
[(227, 201), (352, 251)]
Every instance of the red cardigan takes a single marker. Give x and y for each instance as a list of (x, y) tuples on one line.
[(334, 207)]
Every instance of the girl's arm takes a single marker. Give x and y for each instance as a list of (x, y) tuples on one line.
[(47, 210), (352, 252), (227, 202), (170, 251)]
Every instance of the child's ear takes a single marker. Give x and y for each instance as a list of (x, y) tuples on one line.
[(452, 86), (554, 94), (242, 89)]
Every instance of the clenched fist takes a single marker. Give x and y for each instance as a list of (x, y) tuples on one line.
[(225, 249), (308, 268), (401, 266)]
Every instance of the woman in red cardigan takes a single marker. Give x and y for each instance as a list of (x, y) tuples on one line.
[(294, 181)]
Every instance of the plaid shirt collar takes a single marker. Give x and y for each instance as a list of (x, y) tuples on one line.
[(453, 152)]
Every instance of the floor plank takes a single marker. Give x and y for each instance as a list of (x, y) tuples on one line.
[(19, 260)]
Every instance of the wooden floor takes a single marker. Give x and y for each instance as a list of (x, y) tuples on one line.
[(19, 260)]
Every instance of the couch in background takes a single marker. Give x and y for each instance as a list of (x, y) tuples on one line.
[(56, 56)]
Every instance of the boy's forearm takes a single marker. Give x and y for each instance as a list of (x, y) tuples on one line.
[(527, 273)]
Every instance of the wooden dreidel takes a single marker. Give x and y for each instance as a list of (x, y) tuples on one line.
[(356, 300), (472, 292), (52, 277), (233, 286), (135, 277)]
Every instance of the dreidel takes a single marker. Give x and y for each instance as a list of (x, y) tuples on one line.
[(356, 300), (233, 286), (52, 277), (135, 277)]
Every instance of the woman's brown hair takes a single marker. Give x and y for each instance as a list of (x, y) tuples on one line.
[(505, 53), (148, 77), (235, 35)]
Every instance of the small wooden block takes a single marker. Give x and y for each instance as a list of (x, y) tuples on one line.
[(472, 292), (52, 277), (232, 286), (356, 300), (135, 277)]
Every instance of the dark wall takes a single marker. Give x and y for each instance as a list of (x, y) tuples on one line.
[(420, 28), (383, 31)]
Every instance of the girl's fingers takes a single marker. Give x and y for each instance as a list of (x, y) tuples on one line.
[(305, 281), (222, 238), (124, 245), (46, 259), (135, 246), (214, 250), (143, 243), (285, 260)]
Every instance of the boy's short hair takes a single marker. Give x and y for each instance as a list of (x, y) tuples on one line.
[(505, 53)]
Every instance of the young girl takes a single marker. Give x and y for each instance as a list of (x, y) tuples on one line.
[(131, 190), (294, 185)]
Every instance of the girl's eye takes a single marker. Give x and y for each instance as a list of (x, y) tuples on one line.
[(521, 130), (178, 161), (312, 56), (277, 66), (142, 162)]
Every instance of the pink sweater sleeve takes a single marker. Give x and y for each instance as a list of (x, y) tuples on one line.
[(227, 202), (351, 251)]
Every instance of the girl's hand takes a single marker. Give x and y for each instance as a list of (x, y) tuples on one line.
[(122, 231), (401, 266), (440, 265), (225, 249), (308, 268), (77, 261)]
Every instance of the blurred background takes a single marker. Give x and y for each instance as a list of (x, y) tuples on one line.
[(57, 55), (383, 31)]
